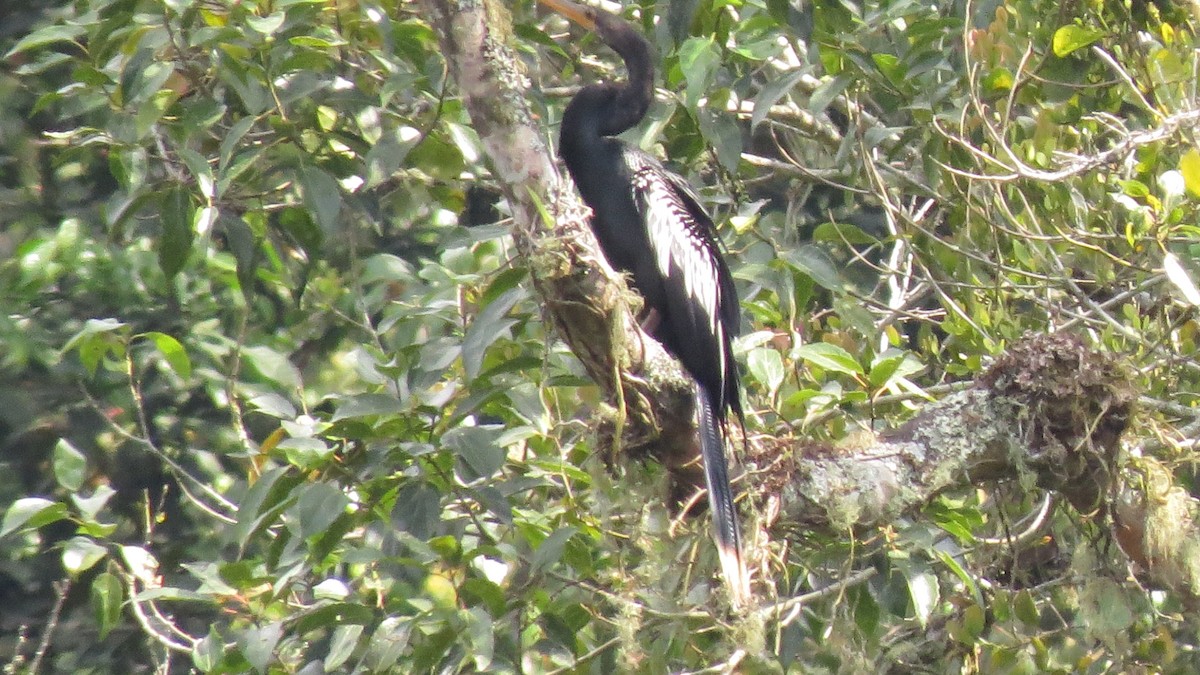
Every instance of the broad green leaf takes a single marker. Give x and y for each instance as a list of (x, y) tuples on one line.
[(90, 506), (266, 25), (829, 357), (258, 644), (262, 504), (108, 594), (31, 512), (322, 197), (489, 325), (924, 590), (816, 263), (890, 66), (209, 651), (842, 234), (698, 59), (441, 591), (46, 36), (367, 405), (827, 93), (172, 352), (481, 636), (341, 645), (318, 505), (1025, 608), (766, 365), (274, 366), (70, 465), (80, 554), (477, 448), (551, 549), (1189, 166), (97, 338), (141, 564), (416, 511), (1071, 38), (175, 244), (388, 643), (198, 165)]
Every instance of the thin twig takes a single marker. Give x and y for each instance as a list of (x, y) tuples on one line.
[(61, 588)]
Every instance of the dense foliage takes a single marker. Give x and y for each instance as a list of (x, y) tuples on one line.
[(274, 394)]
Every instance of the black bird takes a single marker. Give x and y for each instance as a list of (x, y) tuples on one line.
[(650, 224)]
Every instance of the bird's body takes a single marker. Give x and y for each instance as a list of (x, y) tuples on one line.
[(651, 225)]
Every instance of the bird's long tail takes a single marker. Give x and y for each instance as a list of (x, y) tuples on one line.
[(726, 530)]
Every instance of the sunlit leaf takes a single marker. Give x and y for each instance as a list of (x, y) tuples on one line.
[(70, 465), (1189, 166), (80, 554), (31, 512), (107, 594), (829, 357), (1071, 38), (172, 352)]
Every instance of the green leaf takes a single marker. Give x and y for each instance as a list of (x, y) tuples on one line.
[(1025, 608), (31, 512), (322, 197), (46, 36), (698, 59), (175, 244), (97, 338), (318, 506), (262, 504), (341, 645), (1189, 166), (924, 591), (816, 263), (70, 465), (107, 596), (1072, 37), (477, 448), (891, 67), (551, 549), (172, 352), (417, 508), (273, 366), (388, 643), (198, 165), (209, 651), (766, 365), (266, 25), (80, 554), (489, 325), (829, 357), (258, 644), (441, 590)]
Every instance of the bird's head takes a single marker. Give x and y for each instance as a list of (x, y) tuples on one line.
[(613, 30)]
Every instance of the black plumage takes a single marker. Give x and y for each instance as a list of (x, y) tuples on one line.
[(650, 224)]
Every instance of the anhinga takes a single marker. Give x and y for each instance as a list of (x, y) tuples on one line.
[(650, 224)]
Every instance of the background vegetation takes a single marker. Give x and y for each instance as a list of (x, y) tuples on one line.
[(275, 397)]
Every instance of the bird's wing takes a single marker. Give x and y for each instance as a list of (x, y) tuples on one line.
[(700, 296)]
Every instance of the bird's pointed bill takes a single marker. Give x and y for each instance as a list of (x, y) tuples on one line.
[(574, 11)]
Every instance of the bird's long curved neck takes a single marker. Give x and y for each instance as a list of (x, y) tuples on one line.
[(609, 108)]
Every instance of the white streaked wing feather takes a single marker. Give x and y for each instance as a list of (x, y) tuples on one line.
[(680, 249)]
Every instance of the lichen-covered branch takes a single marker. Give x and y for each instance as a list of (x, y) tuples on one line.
[(1049, 410)]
